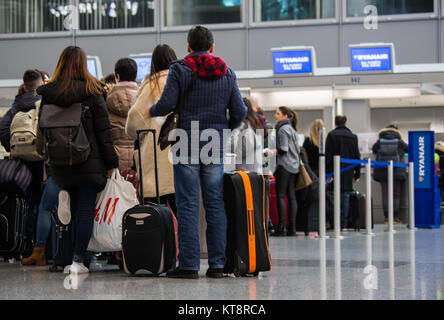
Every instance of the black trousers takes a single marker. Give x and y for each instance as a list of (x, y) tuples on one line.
[(286, 187), (396, 197)]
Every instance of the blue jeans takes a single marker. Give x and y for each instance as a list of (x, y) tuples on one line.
[(83, 203), (48, 204), (345, 208), (186, 182)]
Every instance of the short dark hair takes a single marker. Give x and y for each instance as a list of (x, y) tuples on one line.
[(200, 38), (32, 79), (340, 120), (126, 68)]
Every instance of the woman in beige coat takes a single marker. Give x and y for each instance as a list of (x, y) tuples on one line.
[(149, 93)]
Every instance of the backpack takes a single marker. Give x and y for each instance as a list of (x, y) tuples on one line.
[(25, 141), (66, 142), (388, 150)]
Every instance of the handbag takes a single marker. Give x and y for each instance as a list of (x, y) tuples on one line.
[(118, 196), (304, 179), (172, 120)]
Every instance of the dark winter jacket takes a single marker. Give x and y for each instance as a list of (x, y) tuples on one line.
[(91, 173), (341, 141), (390, 136), (312, 155), (214, 91), (22, 103)]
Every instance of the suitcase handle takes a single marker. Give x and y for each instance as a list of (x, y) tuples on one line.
[(156, 174)]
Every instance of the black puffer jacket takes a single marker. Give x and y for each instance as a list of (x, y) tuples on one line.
[(390, 135), (341, 141), (97, 126), (22, 103)]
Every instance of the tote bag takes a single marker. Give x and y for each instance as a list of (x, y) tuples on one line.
[(118, 196)]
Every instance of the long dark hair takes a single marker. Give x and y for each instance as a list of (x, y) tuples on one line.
[(252, 118), (71, 67), (292, 116), (163, 56)]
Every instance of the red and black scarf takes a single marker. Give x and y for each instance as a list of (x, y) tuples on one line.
[(209, 67)]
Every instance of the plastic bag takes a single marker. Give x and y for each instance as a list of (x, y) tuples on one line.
[(118, 196)]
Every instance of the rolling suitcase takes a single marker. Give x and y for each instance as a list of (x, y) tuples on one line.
[(246, 206), (13, 213), (63, 238), (357, 211), (273, 213), (149, 240)]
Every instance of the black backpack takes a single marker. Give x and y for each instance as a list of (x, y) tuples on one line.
[(66, 142), (388, 150)]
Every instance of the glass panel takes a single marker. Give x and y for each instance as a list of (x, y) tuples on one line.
[(23, 16), (277, 10), (108, 14), (355, 8), (192, 12)]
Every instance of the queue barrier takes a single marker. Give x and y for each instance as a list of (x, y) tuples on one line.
[(368, 164)]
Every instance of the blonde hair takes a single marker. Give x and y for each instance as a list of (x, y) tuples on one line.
[(317, 125)]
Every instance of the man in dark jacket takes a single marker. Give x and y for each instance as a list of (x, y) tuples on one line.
[(390, 146), (24, 102), (341, 141), (215, 91)]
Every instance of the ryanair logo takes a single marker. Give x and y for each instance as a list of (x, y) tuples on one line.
[(421, 159)]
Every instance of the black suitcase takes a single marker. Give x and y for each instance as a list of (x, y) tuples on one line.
[(148, 239), (63, 239), (357, 211), (246, 206), (13, 214)]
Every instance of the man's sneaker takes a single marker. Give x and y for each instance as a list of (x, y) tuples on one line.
[(397, 221), (215, 273), (64, 207), (76, 268), (183, 274)]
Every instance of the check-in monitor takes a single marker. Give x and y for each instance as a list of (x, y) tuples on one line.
[(94, 66), (294, 61), (372, 58), (143, 61)]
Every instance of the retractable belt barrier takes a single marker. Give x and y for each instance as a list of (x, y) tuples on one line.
[(375, 164), (368, 164)]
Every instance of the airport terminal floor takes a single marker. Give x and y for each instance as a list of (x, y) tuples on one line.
[(404, 265)]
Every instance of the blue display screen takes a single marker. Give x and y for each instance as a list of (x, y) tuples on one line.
[(371, 59), (143, 67), (91, 64), (293, 62)]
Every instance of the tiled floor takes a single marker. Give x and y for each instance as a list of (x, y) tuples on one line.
[(406, 265)]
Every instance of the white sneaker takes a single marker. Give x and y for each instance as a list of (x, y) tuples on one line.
[(77, 268), (64, 207)]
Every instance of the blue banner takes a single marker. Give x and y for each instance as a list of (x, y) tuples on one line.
[(371, 59), (293, 62), (421, 152)]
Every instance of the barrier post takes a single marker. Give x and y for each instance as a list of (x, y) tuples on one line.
[(337, 196), (390, 196), (322, 227), (411, 196), (368, 203)]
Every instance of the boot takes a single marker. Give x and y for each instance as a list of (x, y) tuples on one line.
[(281, 230), (36, 258)]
